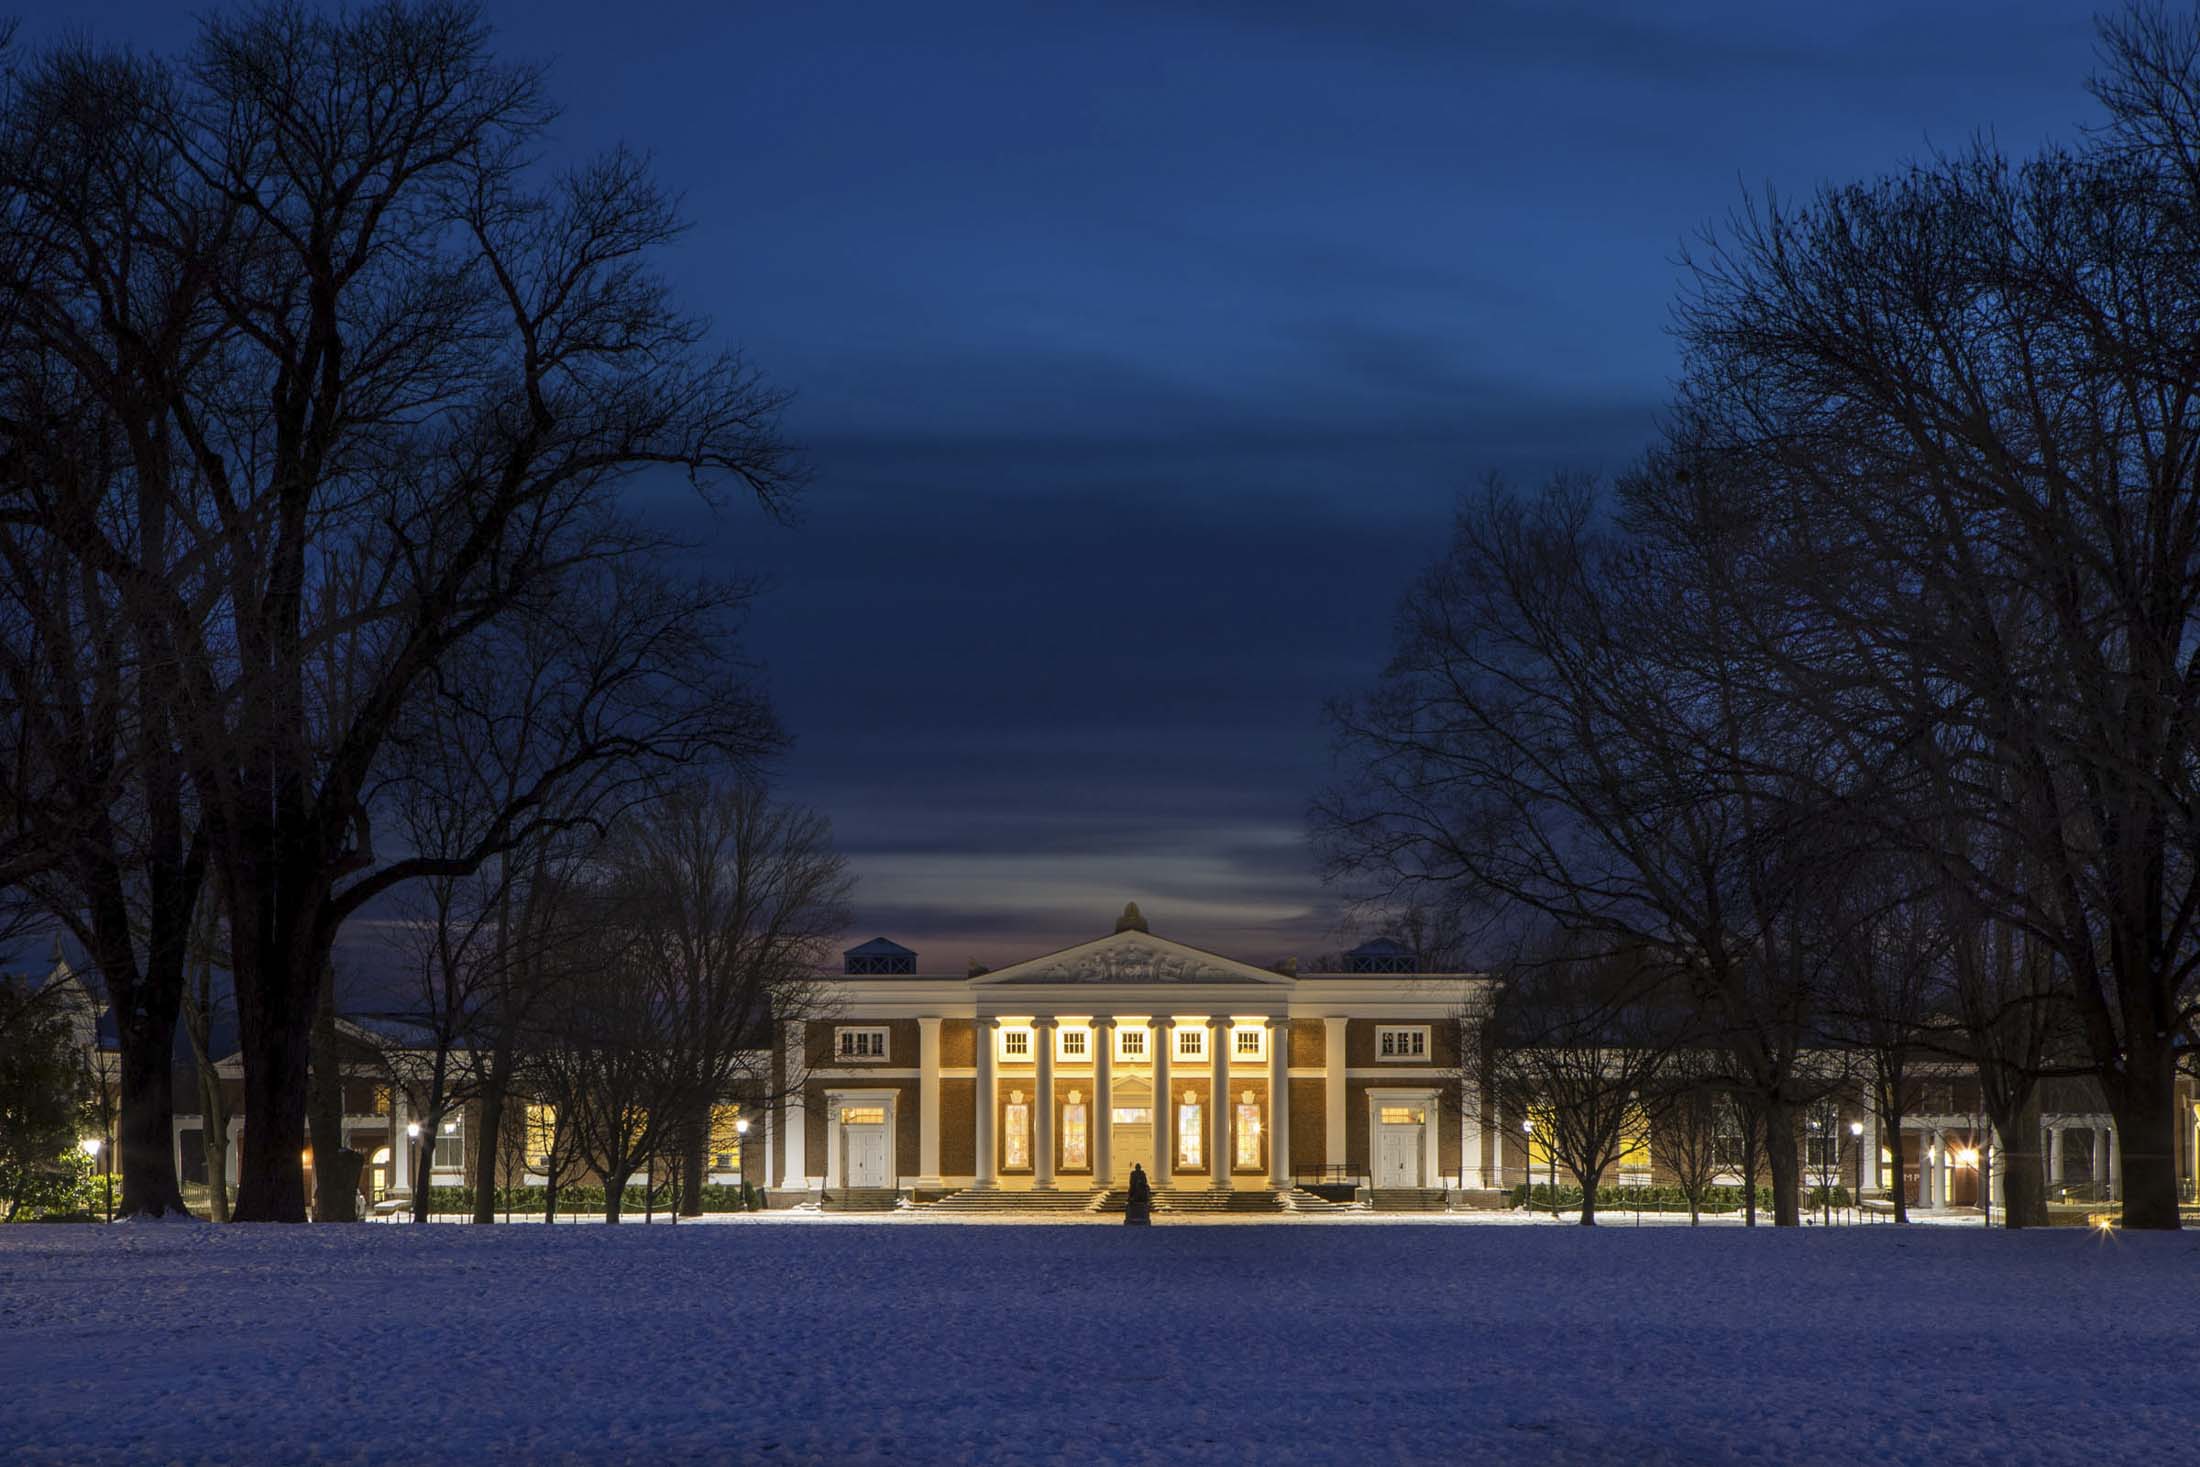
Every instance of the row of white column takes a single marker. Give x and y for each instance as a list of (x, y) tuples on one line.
[(2104, 1145), (1161, 1041)]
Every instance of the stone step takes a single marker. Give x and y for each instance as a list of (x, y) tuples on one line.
[(1408, 1199), (1198, 1200), (990, 1200), (860, 1199)]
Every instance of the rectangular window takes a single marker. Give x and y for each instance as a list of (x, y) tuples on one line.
[(725, 1138), (1188, 1135), (1249, 1043), (1073, 1046), (1398, 1115), (381, 1100), (1130, 1044), (450, 1147), (1406, 1043), (1821, 1149), (1076, 1144), (1191, 1042), (860, 1044), (863, 1115), (1133, 1115), (542, 1135), (1248, 1135), (1016, 1136), (1016, 1045)]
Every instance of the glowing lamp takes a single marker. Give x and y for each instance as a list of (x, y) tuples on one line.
[(1856, 1128), (741, 1126), (90, 1146)]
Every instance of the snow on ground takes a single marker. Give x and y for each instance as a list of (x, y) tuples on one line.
[(853, 1343)]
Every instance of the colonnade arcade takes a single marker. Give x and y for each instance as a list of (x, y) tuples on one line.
[(1112, 1083)]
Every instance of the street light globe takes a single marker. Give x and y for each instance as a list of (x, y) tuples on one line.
[(1856, 1128), (90, 1145), (741, 1127), (1528, 1127), (1967, 1157), (412, 1130)]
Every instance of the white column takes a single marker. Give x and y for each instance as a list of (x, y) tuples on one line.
[(401, 1145), (928, 1101), (1986, 1158), (2115, 1164), (1042, 1128), (1867, 1156), (2055, 1155), (1334, 1146), (1470, 1137), (1279, 1102), (833, 1144), (1218, 1101), (1928, 1168), (986, 1158), (798, 1131), (1102, 1125), (1163, 1039)]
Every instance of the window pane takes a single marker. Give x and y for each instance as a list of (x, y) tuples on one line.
[(725, 1138), (1016, 1133), (1191, 1043), (542, 1131), (1248, 1135), (863, 1115), (1188, 1136), (1074, 1149)]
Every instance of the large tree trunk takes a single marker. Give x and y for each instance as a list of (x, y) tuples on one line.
[(614, 1194), (1890, 1123), (336, 1168), (145, 1131), (1781, 1160), (2143, 1100), (273, 1022), (693, 1168), (495, 1088)]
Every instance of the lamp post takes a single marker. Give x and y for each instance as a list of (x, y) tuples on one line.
[(1856, 1139), (741, 1129), (1967, 1158), (1527, 1164), (412, 1156), (91, 1147)]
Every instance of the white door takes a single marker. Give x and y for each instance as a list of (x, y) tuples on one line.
[(1398, 1156), (1133, 1144), (867, 1156)]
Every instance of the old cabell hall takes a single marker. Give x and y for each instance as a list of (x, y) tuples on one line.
[(1060, 1073)]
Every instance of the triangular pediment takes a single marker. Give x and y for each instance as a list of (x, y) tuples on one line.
[(1130, 958)]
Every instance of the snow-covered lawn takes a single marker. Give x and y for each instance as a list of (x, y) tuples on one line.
[(1307, 1343)]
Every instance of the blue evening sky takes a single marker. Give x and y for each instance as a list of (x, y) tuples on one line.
[(1142, 348)]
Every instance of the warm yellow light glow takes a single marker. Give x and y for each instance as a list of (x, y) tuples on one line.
[(1967, 1157), (91, 1145), (381, 1156)]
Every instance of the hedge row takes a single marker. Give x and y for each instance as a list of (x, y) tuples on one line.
[(1663, 1199), (716, 1197)]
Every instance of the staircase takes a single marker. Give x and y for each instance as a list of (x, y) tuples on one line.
[(860, 1199), (1303, 1203), (976, 1202), (1200, 1200), (1408, 1199)]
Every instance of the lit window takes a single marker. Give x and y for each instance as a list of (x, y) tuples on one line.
[(1130, 1043), (1191, 1042), (381, 1100), (1248, 1131), (725, 1138), (1399, 1115), (1076, 1149), (1016, 1044), (1074, 1045), (542, 1135), (1409, 1043), (1133, 1115), (1249, 1042), (863, 1115), (860, 1044), (450, 1146), (381, 1156), (1188, 1135), (1016, 1132)]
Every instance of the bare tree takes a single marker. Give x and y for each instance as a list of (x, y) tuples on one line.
[(1965, 397), (409, 371), (1564, 732), (1578, 1040)]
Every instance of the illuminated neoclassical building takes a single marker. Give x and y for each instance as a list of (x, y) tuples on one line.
[(1061, 1072)]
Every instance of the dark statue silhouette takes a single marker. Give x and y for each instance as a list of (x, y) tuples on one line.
[(1139, 1212)]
